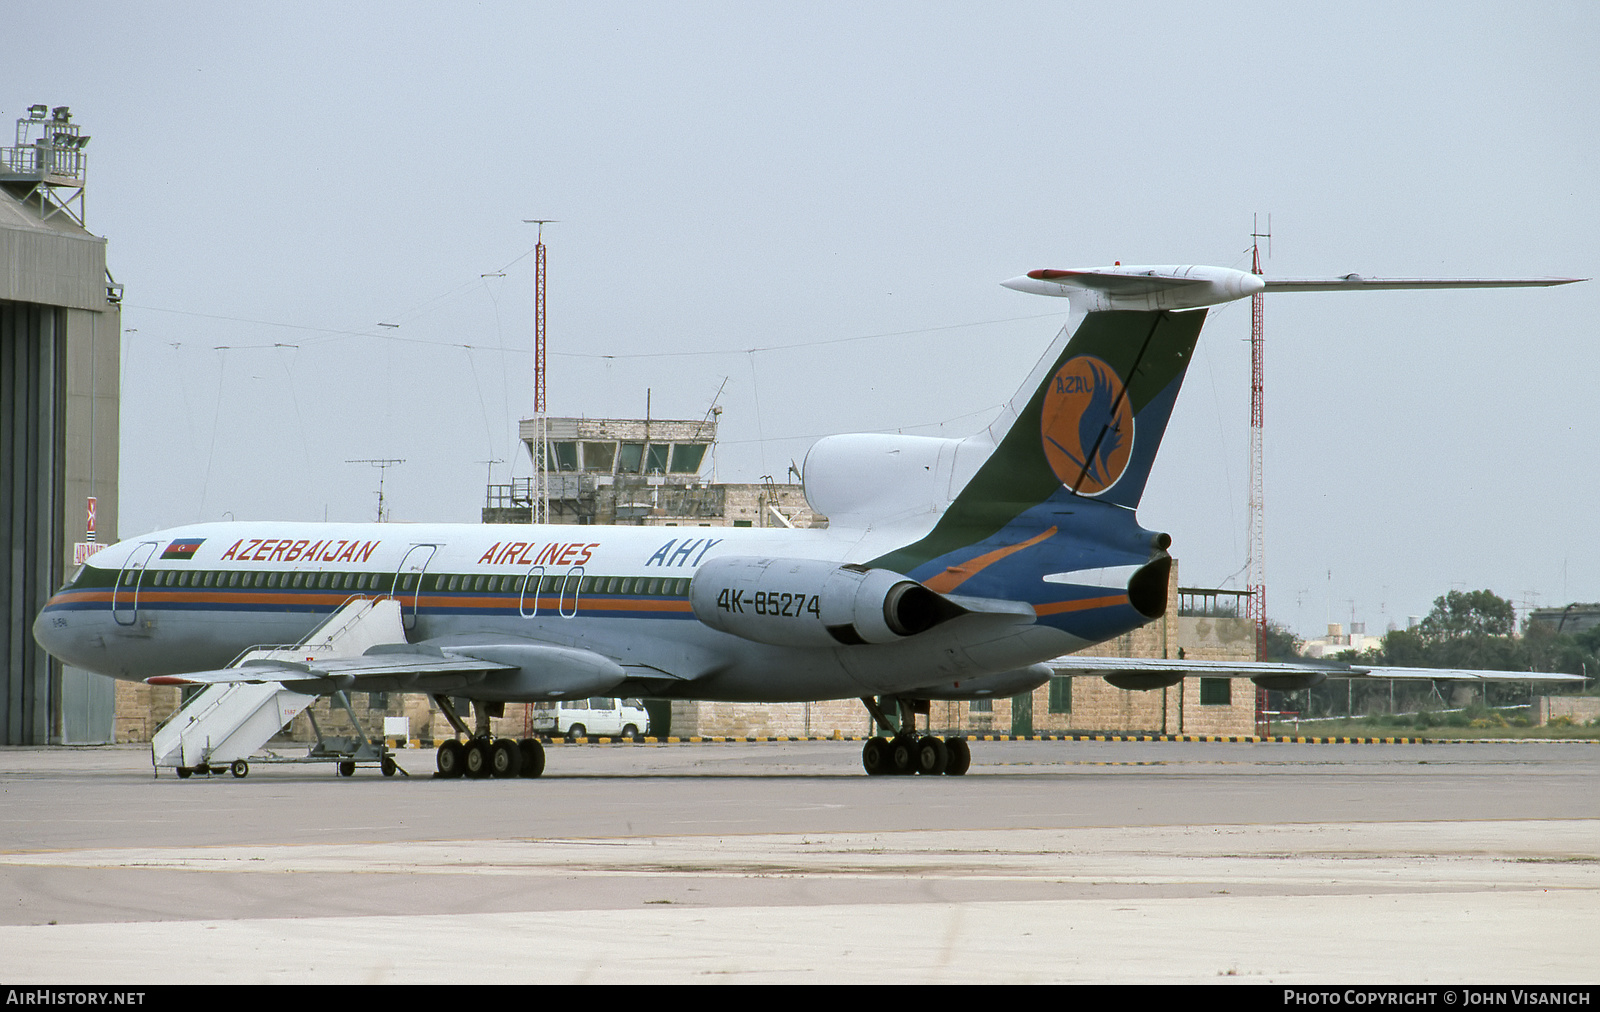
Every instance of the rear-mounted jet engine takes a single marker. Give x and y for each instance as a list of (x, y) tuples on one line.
[(810, 603)]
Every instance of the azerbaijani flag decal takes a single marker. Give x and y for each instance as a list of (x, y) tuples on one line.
[(183, 548)]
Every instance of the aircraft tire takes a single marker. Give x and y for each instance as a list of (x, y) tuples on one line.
[(902, 755), (532, 757), (239, 768), (960, 756), (451, 760), (479, 762), (505, 758), (875, 757), (933, 758)]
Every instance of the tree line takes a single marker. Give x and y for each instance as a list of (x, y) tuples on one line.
[(1469, 629)]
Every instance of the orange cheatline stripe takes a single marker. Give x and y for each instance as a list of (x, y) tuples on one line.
[(267, 597), (955, 576), (1083, 604)]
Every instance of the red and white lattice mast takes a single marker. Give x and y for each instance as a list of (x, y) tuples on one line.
[(1258, 550), (541, 420)]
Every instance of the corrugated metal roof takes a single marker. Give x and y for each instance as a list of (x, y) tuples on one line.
[(54, 262)]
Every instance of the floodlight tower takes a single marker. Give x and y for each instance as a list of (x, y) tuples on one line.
[(48, 169), (541, 422)]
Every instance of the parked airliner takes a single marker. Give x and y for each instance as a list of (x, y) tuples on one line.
[(950, 568)]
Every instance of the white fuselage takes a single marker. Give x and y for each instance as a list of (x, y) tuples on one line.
[(196, 597)]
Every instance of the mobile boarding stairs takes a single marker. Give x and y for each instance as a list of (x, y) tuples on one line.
[(227, 723)]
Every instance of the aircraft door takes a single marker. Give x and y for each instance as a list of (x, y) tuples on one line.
[(532, 583), (408, 579), (125, 595), (569, 592)]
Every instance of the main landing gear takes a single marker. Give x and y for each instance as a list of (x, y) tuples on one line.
[(483, 755), (911, 751)]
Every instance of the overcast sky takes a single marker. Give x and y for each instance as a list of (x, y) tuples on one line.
[(810, 206)]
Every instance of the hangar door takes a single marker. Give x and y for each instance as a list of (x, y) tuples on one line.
[(32, 413)]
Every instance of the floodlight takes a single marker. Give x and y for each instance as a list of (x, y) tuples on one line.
[(36, 112), (61, 113)]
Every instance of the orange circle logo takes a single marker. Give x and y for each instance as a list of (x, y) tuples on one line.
[(1086, 425)]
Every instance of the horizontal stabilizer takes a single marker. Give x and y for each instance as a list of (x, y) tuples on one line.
[(1192, 287), (1141, 288), (1355, 282)]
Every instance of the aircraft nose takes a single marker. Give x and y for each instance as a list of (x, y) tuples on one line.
[(55, 631), (49, 626)]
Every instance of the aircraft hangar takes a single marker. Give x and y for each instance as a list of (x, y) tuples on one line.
[(60, 345)]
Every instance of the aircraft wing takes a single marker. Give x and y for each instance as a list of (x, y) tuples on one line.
[(1139, 672), (503, 669), (410, 671)]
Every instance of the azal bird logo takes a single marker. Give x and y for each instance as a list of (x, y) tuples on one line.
[(1086, 425)]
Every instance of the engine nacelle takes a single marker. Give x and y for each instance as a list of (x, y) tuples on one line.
[(810, 603)]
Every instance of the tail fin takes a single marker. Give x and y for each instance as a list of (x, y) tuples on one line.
[(1087, 423), (1092, 416)]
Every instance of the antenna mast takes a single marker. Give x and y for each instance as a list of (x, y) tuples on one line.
[(383, 465), (1258, 548), (541, 422)]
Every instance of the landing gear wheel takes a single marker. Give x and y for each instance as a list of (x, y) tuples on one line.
[(185, 772), (505, 758), (479, 759), (452, 759), (577, 732), (903, 754), (875, 756), (347, 769), (532, 757), (239, 768), (960, 756), (387, 765), (933, 758)]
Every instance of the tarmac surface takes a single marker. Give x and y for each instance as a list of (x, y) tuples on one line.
[(1155, 862)]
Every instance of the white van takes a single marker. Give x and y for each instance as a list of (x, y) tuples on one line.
[(595, 717)]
